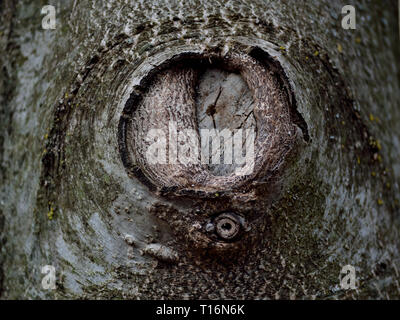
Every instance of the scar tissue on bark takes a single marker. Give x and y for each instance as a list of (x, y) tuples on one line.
[(161, 252), (199, 92)]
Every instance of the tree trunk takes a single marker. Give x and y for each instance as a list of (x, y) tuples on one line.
[(77, 192)]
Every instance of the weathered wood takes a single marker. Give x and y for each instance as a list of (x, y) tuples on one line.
[(67, 198)]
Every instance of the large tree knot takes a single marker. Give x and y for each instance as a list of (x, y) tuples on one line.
[(217, 129)]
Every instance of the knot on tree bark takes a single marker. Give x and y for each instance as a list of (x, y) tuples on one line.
[(215, 129)]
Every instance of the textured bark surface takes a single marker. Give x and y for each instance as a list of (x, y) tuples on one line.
[(68, 200)]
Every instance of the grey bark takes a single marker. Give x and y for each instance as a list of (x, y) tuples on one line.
[(67, 200)]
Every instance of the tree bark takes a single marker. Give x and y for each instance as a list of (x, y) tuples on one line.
[(71, 197)]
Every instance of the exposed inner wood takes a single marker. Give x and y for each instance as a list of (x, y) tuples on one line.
[(236, 92), (224, 101)]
